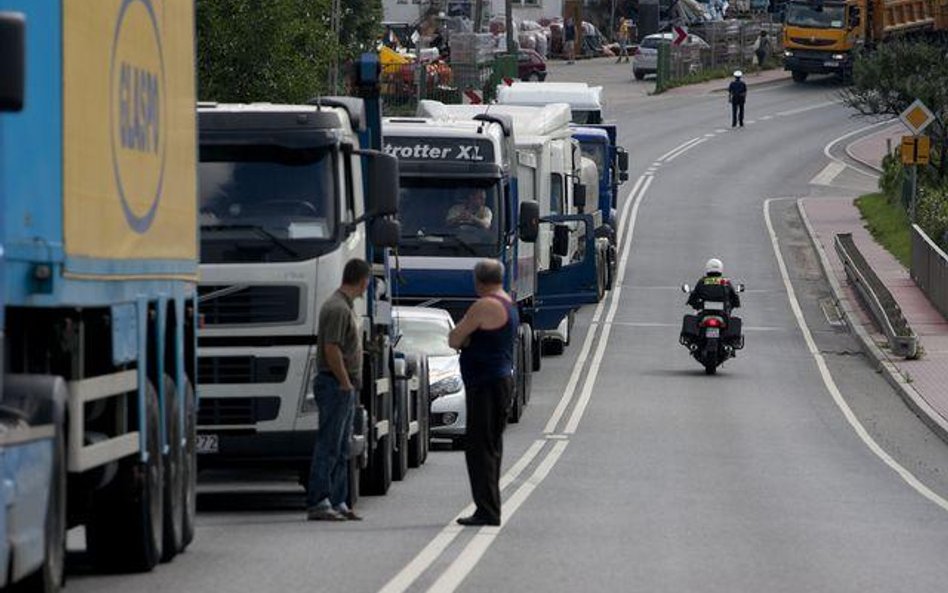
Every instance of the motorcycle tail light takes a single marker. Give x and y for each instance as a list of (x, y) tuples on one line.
[(712, 322)]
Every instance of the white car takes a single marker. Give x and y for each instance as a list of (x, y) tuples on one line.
[(424, 331), (645, 58)]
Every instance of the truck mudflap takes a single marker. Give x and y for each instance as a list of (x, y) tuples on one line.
[(573, 284)]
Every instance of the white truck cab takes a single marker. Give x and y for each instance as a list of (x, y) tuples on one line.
[(585, 101)]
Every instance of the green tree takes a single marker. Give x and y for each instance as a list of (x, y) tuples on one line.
[(888, 79), (277, 50)]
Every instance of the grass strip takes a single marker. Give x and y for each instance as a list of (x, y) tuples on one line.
[(889, 225)]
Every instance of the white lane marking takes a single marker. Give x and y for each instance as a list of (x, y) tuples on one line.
[(832, 143), (766, 117), (430, 553), (679, 147), (808, 108), (830, 383), (709, 135), (684, 150), (830, 172), (462, 566), (657, 164), (437, 546), (751, 122), (720, 130), (593, 373)]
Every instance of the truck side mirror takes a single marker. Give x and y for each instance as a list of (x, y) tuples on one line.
[(623, 156), (853, 17), (12, 60), (579, 195), (385, 232), (382, 172), (529, 226), (560, 240)]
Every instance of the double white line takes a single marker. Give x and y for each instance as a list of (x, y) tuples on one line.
[(472, 553)]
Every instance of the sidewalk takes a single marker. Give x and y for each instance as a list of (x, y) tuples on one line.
[(923, 382), (870, 149), (720, 85)]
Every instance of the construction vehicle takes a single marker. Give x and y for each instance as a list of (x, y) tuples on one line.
[(288, 195), (822, 36), (97, 281)]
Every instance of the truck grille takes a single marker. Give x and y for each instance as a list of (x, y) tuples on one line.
[(229, 411), (250, 304), (241, 369), (812, 42)]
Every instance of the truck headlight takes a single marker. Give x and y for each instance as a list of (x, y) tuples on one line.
[(788, 54), (445, 386), (839, 57)]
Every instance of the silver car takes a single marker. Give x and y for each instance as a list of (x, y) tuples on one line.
[(645, 57), (424, 331)]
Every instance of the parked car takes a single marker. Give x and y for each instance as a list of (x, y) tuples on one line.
[(530, 65), (645, 56), (424, 331)]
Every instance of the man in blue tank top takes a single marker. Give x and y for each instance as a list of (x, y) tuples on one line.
[(486, 337)]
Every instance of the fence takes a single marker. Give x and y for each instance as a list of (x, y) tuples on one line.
[(728, 44), (404, 85), (930, 269)]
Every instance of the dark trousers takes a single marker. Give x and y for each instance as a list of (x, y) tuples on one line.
[(737, 113), (329, 472), (486, 405)]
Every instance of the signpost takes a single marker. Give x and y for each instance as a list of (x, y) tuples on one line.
[(916, 148)]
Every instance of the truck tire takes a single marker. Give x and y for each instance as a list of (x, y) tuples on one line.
[(353, 481), (527, 341), (799, 76), (554, 346), (377, 477), (189, 467), (50, 576), (400, 427), (516, 403), (124, 532), (173, 507), (536, 350)]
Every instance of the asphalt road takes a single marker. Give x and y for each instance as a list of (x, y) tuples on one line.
[(632, 470)]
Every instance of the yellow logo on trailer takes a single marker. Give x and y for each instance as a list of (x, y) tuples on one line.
[(129, 184)]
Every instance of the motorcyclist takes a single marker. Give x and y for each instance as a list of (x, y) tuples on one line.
[(714, 286)]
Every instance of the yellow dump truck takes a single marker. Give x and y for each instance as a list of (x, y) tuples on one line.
[(820, 36)]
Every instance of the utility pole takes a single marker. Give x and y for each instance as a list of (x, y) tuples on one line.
[(508, 25), (612, 22), (335, 24), (478, 15)]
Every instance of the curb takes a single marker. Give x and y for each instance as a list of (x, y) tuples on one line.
[(850, 154), (893, 376)]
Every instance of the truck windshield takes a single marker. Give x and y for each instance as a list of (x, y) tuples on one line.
[(450, 217), (814, 16), (596, 152), (266, 203)]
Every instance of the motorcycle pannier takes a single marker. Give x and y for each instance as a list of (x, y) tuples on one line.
[(733, 333), (689, 329)]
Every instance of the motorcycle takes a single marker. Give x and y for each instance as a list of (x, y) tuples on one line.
[(713, 335)]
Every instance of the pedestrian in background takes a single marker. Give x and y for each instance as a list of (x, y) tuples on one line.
[(339, 365), (486, 337), (622, 36), (569, 40), (737, 95), (762, 48)]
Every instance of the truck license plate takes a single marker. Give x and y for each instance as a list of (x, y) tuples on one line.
[(830, 64), (207, 443), (712, 332)]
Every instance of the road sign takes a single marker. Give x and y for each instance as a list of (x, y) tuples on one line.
[(917, 117), (472, 97), (916, 150), (681, 33)]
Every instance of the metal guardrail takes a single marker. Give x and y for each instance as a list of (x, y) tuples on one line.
[(886, 312), (930, 269)]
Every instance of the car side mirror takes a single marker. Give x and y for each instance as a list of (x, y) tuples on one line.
[(385, 232), (382, 172), (529, 221), (579, 195), (560, 240), (12, 60), (623, 157), (685, 288)]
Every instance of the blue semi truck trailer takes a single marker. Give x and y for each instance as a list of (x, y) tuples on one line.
[(97, 281)]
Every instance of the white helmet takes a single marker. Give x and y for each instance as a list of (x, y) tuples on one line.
[(738, 74), (714, 266)]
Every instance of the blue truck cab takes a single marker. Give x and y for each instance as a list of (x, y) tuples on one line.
[(97, 281)]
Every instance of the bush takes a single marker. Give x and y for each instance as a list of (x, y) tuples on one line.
[(931, 213)]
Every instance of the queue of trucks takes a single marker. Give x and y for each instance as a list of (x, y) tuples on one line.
[(822, 36), (162, 267)]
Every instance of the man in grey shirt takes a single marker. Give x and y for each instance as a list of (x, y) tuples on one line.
[(339, 362)]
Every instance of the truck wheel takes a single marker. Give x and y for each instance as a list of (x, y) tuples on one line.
[(173, 532), (536, 350), (400, 426), (353, 481), (378, 475), (124, 532), (516, 405), (189, 467), (527, 362), (418, 444), (554, 346), (799, 76), (50, 576)]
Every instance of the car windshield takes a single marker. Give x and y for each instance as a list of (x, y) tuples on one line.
[(266, 203), (653, 42), (806, 15), (424, 336), (450, 217), (596, 152)]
